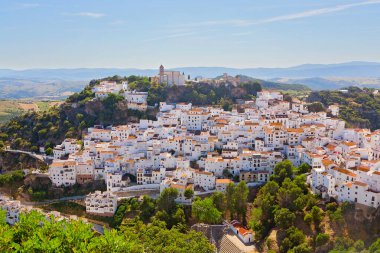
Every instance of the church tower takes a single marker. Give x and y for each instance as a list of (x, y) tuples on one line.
[(162, 70)]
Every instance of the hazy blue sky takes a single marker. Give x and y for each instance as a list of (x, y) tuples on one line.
[(144, 34)]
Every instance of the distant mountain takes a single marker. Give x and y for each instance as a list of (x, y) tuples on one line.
[(58, 83), (318, 83), (349, 69), (12, 88), (275, 85), (72, 74)]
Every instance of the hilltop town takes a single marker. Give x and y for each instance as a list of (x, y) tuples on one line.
[(198, 151)]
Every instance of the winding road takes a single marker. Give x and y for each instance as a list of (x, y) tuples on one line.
[(42, 158)]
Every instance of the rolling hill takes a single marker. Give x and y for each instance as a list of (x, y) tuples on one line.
[(59, 83)]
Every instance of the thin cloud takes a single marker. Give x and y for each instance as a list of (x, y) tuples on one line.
[(234, 22), (171, 36), (86, 14), (118, 22), (288, 17), (312, 13), (28, 5)]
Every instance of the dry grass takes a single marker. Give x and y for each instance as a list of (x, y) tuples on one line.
[(13, 108), (28, 106)]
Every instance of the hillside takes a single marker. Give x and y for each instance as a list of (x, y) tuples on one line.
[(58, 89), (13, 108), (18, 161), (21, 88), (48, 128), (358, 107), (275, 85), (60, 83), (80, 111), (332, 83), (286, 217), (348, 69)]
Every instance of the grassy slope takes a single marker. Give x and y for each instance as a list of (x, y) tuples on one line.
[(9, 109), (13, 108)]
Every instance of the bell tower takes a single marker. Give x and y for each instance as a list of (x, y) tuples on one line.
[(162, 70)]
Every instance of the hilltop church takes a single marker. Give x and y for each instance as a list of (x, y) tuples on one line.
[(169, 77)]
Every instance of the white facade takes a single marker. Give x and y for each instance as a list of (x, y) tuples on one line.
[(101, 203), (63, 173), (202, 148), (170, 77)]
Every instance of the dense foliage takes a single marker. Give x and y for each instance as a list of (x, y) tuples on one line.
[(285, 204), (358, 107), (277, 204), (48, 128), (81, 110), (275, 85), (35, 233), (11, 177), (195, 93)]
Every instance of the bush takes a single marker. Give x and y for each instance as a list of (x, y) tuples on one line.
[(269, 243), (316, 214), (49, 151), (331, 206), (336, 215), (284, 218), (321, 239), (11, 177), (308, 219), (38, 195), (302, 248)]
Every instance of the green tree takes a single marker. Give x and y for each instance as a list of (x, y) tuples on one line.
[(49, 151), (205, 211), (230, 199), (302, 248), (240, 198), (147, 208), (321, 239), (189, 193), (79, 117), (316, 107), (288, 194), (294, 237), (303, 168), (375, 247), (219, 200), (316, 214), (166, 201), (284, 218), (282, 170), (36, 233), (308, 219)]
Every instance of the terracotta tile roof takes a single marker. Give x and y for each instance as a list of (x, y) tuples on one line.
[(223, 181)]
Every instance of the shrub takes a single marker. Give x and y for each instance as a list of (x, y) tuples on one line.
[(321, 239)]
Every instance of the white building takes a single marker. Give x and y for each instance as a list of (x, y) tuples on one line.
[(63, 173), (244, 234), (169, 77), (68, 146), (136, 100), (101, 203), (12, 209)]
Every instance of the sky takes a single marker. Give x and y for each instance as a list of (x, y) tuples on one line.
[(147, 33)]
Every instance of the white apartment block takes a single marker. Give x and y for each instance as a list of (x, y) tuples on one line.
[(68, 146), (101, 203), (202, 148), (63, 173), (12, 209)]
